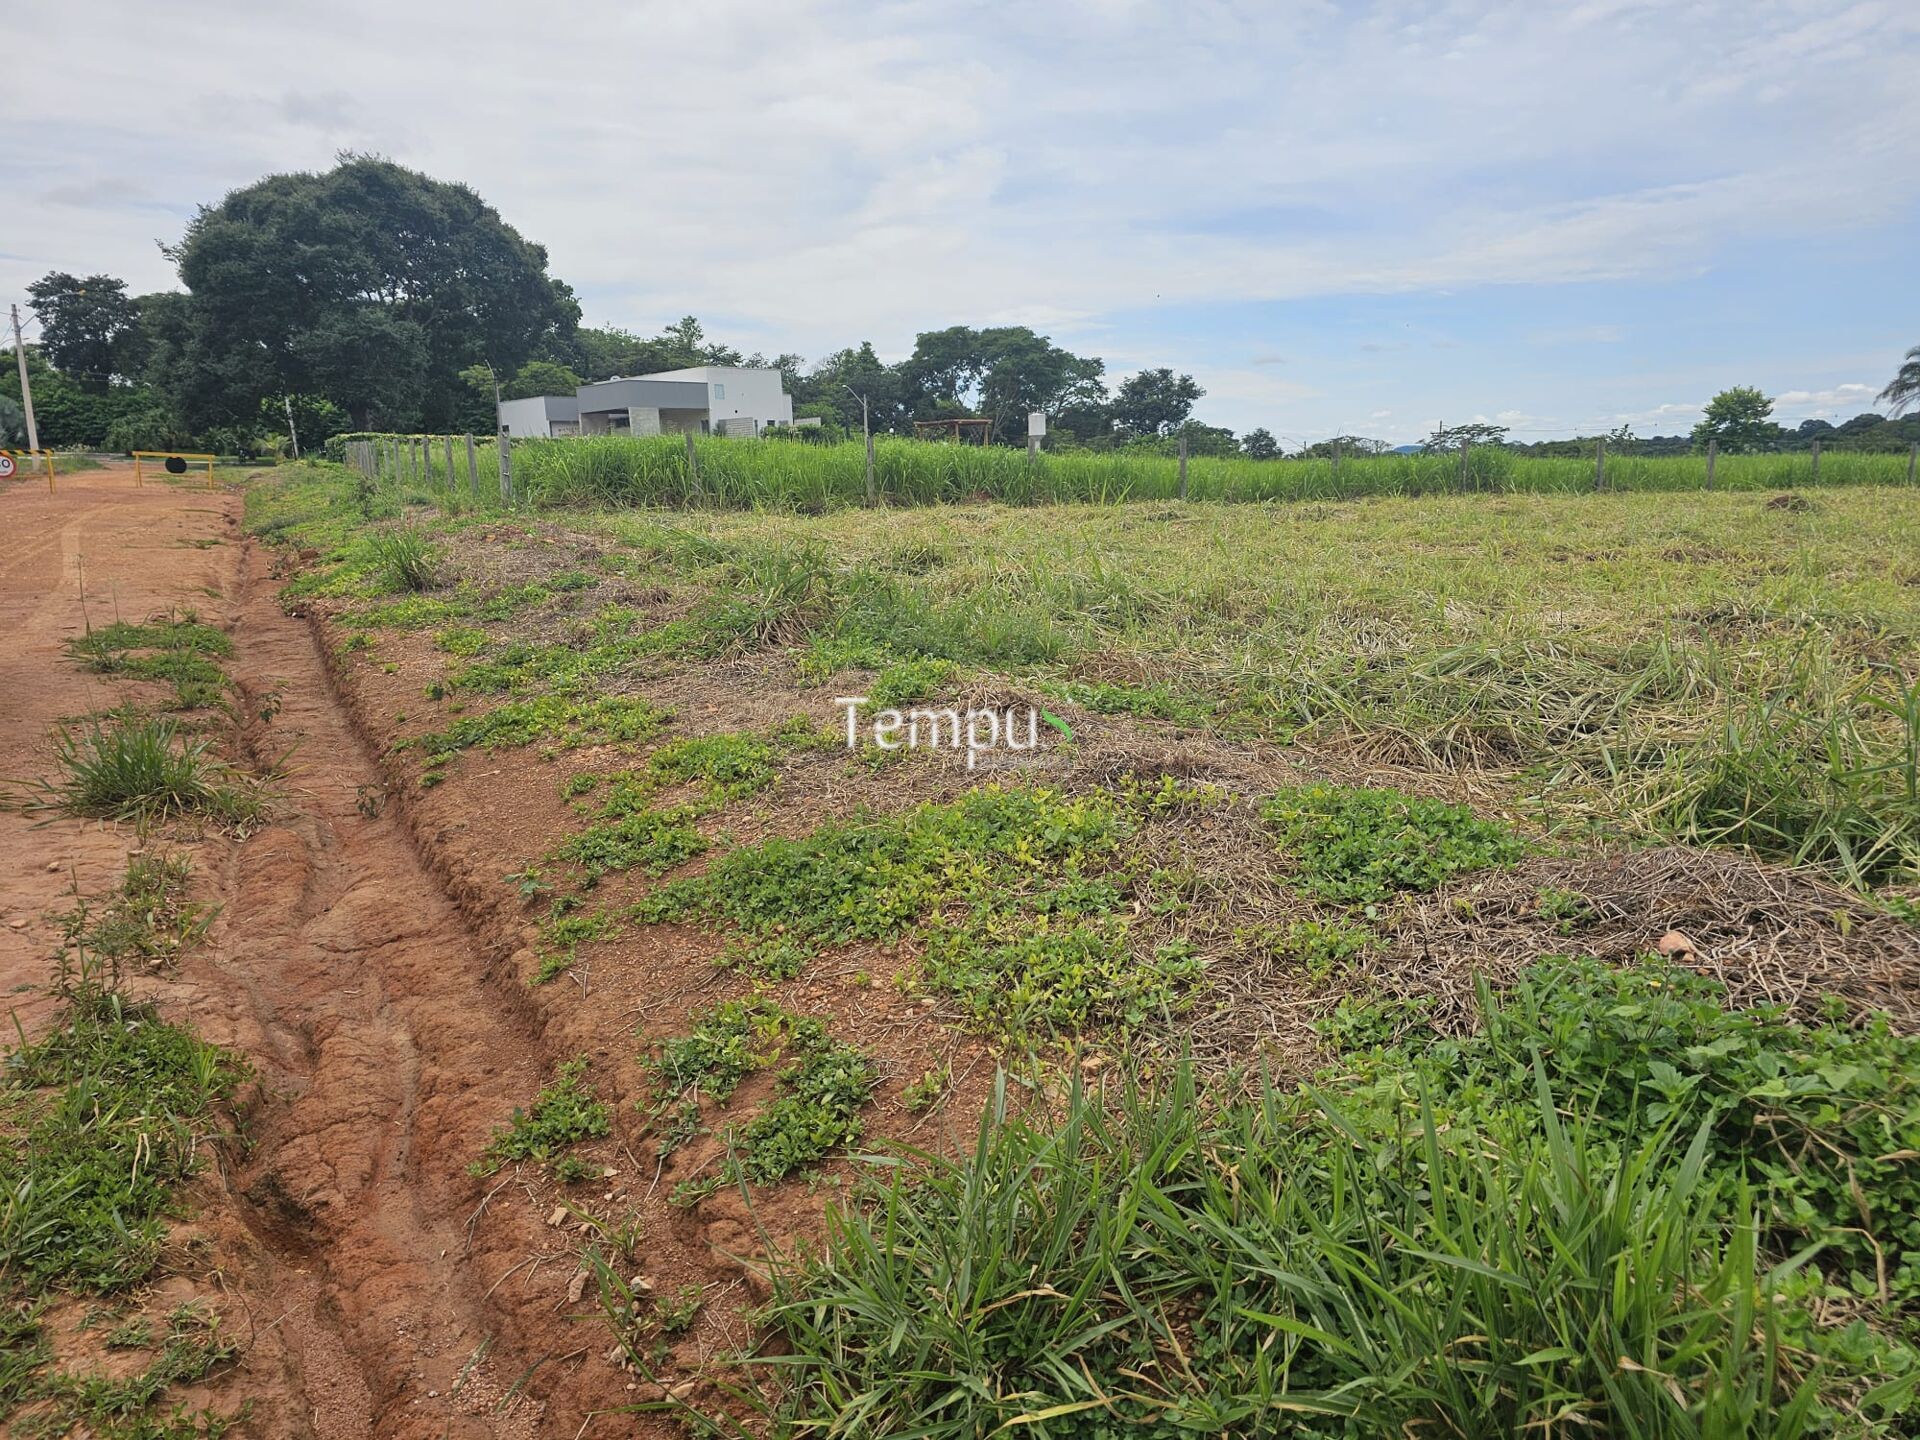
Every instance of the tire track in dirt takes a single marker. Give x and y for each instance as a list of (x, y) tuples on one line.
[(393, 1061)]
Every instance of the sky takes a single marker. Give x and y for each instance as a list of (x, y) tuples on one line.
[(1339, 218)]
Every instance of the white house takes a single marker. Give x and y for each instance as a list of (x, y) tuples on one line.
[(540, 415), (702, 400)]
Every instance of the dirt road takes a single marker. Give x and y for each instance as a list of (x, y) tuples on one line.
[(374, 1292)]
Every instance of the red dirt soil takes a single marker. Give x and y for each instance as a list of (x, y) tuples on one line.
[(348, 1247)]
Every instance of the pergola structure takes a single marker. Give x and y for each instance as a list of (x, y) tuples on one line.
[(962, 429)]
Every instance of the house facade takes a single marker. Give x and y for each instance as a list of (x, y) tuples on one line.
[(540, 416), (703, 400)]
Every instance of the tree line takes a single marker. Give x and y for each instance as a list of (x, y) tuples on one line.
[(373, 297)]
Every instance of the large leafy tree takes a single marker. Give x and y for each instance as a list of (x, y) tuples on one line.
[(1259, 444), (1155, 402), (1904, 388), (1740, 419), (367, 284), (88, 327), (842, 380), (1463, 437), (1002, 373)]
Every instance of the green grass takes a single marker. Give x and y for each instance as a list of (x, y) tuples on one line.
[(120, 1407), (562, 1115), (142, 768), (614, 470), (1669, 664), (1535, 1228), (103, 1117), (405, 560), (179, 651)]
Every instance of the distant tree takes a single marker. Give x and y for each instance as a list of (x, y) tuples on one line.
[(601, 352), (840, 381), (1349, 445), (368, 284), (87, 327), (1201, 439), (1002, 373), (1904, 388), (1739, 419), (1456, 437), (539, 377), (1259, 444), (687, 345), (1154, 402)]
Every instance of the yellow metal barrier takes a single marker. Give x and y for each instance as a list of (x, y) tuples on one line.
[(45, 456), (139, 455)]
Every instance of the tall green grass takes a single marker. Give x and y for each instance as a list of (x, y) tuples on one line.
[(621, 470), (1554, 1228)]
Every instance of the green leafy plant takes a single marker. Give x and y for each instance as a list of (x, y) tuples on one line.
[(405, 559), (563, 1114), (1361, 846)]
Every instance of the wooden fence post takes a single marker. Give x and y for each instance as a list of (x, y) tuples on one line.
[(506, 467), (1599, 465), (1816, 463), (1913, 461), (1183, 465), (473, 468), (693, 469), (453, 485), (1713, 454), (873, 492), (1336, 462), (1464, 447)]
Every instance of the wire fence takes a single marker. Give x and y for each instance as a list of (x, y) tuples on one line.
[(682, 470)]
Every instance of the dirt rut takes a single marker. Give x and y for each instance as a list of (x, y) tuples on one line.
[(390, 1058)]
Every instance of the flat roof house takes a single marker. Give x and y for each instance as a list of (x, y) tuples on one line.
[(703, 400), (540, 415)]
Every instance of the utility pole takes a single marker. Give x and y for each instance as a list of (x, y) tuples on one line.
[(26, 390), (866, 434), (292, 434)]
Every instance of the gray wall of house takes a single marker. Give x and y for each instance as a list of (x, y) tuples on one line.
[(537, 415)]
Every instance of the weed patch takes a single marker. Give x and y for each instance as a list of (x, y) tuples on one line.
[(404, 560), (563, 1114), (1016, 895), (103, 1117), (818, 1095), (551, 718), (149, 918), (178, 651), (1357, 847)]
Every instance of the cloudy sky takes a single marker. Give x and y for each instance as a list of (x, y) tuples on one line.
[(1339, 217)]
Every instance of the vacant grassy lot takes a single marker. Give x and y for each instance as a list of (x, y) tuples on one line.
[(1341, 1091)]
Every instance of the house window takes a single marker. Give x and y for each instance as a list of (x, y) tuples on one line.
[(719, 392)]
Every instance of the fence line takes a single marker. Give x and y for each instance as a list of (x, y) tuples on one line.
[(682, 470)]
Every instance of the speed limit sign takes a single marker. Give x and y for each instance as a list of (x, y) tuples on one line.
[(6, 467)]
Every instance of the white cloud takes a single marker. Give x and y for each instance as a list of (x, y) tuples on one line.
[(807, 174)]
